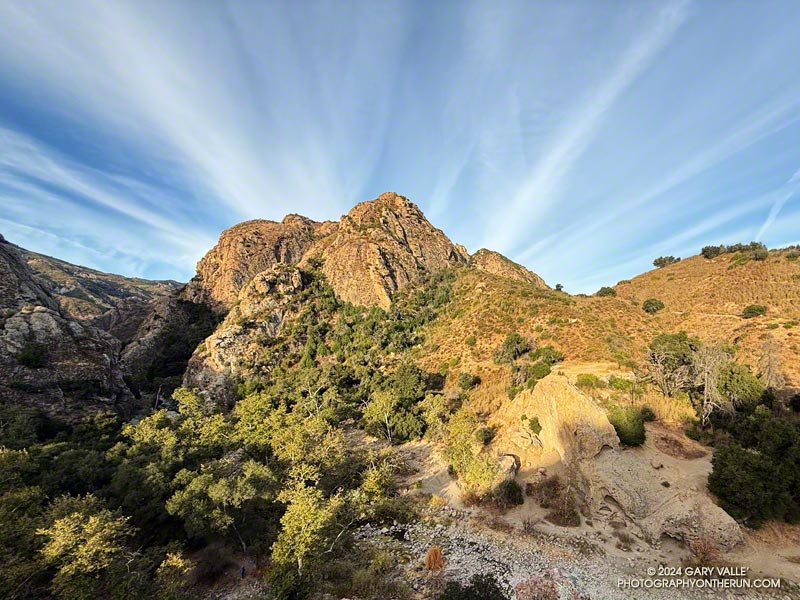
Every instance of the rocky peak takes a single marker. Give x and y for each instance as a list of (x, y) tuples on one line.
[(497, 264), (248, 248), (380, 246)]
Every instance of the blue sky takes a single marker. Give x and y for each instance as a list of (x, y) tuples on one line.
[(582, 139)]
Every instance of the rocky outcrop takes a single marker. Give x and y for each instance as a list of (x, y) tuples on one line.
[(109, 301), (382, 245), (497, 264), (47, 359), (17, 286), (625, 484), (572, 424), (249, 248), (239, 347)]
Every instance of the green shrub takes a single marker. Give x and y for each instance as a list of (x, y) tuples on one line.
[(793, 255), (621, 384), (507, 495), (467, 381), (663, 261), (471, 341), (739, 385), (606, 291), (534, 425), (512, 348), (559, 287), (750, 485), (629, 425), (753, 250), (790, 324), (485, 435), (547, 355), (652, 306), (553, 494), (712, 251), (589, 381), (754, 310), (647, 414), (536, 372), (33, 356)]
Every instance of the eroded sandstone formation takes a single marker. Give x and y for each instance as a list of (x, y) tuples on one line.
[(572, 424)]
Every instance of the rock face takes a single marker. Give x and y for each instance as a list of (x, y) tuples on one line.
[(244, 337), (48, 359), (17, 286), (248, 248), (382, 245), (109, 301), (572, 424), (497, 264), (625, 483)]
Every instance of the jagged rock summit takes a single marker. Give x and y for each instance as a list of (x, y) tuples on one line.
[(382, 245), (375, 249)]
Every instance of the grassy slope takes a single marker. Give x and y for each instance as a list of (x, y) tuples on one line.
[(704, 297)]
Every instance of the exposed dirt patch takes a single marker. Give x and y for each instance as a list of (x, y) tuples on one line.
[(678, 447)]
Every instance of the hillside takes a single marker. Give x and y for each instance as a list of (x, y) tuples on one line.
[(706, 298), (323, 404)]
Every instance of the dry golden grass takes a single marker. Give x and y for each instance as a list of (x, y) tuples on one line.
[(703, 297), (706, 298)]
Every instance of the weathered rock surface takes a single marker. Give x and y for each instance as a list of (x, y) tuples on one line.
[(381, 246), (572, 424), (111, 302), (497, 264), (624, 481), (248, 248), (240, 345), (17, 286), (47, 359)]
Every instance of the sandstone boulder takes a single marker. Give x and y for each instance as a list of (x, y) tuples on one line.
[(572, 424)]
